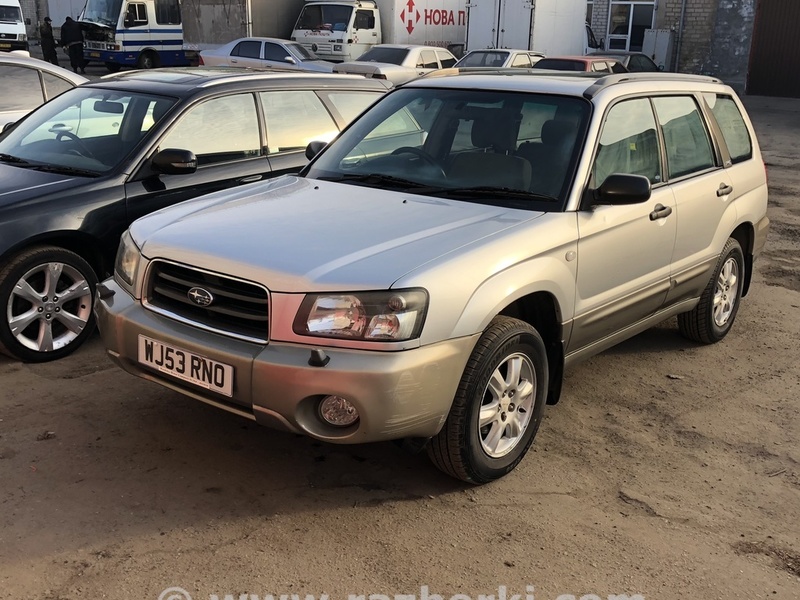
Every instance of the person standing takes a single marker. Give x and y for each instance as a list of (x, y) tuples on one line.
[(72, 40), (48, 41)]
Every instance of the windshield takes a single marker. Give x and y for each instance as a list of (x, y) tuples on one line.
[(330, 17), (89, 129), (483, 59), (10, 14), (394, 56), (509, 148), (105, 12)]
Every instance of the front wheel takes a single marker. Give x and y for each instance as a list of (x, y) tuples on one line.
[(147, 60), (47, 295), (498, 406), (713, 317)]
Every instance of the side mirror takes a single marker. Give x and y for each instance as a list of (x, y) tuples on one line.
[(314, 148), (128, 22), (620, 189), (8, 126), (290, 60), (172, 161)]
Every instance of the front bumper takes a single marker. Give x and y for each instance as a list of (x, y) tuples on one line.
[(397, 394)]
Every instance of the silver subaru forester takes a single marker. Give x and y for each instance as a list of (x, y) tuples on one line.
[(431, 273)]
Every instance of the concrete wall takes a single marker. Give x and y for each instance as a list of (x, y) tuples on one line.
[(733, 34), (209, 23)]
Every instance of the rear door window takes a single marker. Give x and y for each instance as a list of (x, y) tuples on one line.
[(428, 60), (686, 139), (521, 60), (445, 58), (54, 85), (27, 88)]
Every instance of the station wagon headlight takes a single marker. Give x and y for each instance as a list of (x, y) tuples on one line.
[(127, 263), (390, 316)]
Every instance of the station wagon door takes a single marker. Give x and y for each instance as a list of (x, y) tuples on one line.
[(624, 252), (225, 136)]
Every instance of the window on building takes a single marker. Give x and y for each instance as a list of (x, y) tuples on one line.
[(627, 22)]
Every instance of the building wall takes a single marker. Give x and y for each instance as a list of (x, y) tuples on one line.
[(209, 23), (716, 34)]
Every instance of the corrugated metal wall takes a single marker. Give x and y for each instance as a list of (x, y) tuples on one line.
[(775, 54)]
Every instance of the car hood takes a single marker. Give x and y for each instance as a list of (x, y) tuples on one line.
[(317, 66), (299, 235), (18, 184)]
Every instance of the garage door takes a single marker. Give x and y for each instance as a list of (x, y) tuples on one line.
[(775, 54)]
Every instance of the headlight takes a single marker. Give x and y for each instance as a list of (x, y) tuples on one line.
[(22, 37), (390, 316), (127, 261)]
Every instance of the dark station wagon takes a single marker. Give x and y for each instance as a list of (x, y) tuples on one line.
[(78, 170)]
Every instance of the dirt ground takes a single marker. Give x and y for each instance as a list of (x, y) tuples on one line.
[(668, 470)]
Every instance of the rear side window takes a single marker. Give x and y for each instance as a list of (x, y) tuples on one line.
[(351, 104), (730, 121), (295, 118), (685, 135), (54, 85), (629, 143)]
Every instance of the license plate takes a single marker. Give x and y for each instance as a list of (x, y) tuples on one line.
[(5, 45), (94, 54), (188, 366)]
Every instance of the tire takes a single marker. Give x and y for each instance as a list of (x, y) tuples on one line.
[(479, 454), (147, 60), (713, 317), (113, 67), (39, 325)]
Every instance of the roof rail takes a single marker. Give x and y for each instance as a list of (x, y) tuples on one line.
[(609, 80)]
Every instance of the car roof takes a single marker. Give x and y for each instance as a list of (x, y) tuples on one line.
[(186, 81), (569, 83), (409, 46), (28, 61), (505, 50)]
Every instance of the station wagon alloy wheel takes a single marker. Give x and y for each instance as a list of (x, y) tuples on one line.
[(498, 406), (727, 292), (713, 317), (508, 401), (47, 294)]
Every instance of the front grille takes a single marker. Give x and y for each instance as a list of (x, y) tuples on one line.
[(8, 36), (239, 308)]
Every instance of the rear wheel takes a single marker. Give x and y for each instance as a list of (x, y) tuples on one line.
[(147, 60), (498, 406), (713, 317), (46, 294)]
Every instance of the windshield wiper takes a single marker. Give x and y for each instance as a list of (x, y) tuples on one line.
[(13, 159), (377, 179), (64, 170), (488, 194)]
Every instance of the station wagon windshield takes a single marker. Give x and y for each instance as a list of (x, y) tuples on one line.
[(505, 148), (84, 131)]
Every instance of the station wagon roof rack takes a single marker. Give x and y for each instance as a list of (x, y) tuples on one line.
[(609, 80)]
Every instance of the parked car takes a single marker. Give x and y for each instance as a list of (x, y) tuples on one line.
[(398, 63), (635, 62), (33, 81), (77, 171), (500, 57), (265, 52), (592, 64), (436, 290)]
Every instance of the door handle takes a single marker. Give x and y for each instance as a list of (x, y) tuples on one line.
[(250, 179), (724, 190), (233, 60), (660, 211)]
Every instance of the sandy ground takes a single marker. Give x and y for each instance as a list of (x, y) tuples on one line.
[(668, 470)]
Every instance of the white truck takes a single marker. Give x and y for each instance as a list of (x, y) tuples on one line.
[(342, 30), (553, 27)]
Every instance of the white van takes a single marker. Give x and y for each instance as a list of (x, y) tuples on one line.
[(12, 27)]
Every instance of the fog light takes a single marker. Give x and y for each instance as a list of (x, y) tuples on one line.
[(337, 411)]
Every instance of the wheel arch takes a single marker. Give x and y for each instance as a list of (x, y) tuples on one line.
[(745, 235), (82, 244), (541, 311)]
